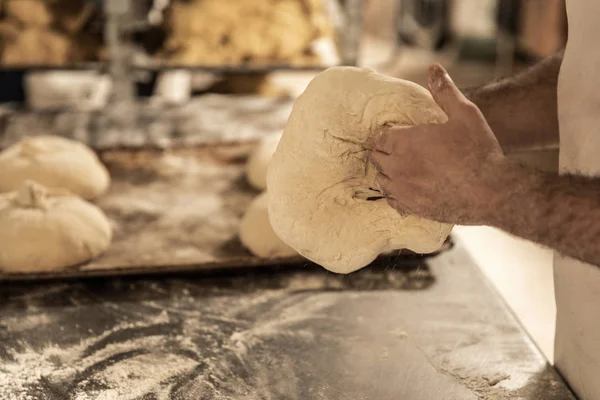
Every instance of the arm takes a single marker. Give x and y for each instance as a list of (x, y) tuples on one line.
[(522, 110), (457, 173), (560, 212)]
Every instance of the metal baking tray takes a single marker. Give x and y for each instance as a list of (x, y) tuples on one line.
[(174, 211)]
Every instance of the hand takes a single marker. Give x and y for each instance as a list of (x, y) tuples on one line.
[(444, 172)]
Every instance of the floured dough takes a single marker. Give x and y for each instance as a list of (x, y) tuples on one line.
[(257, 235), (53, 162), (43, 229), (324, 200), (258, 162)]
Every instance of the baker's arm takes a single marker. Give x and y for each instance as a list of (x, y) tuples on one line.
[(560, 212), (522, 110), (457, 173)]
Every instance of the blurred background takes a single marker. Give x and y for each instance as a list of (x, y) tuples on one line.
[(222, 39), (117, 73)]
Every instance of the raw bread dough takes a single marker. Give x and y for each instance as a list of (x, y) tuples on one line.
[(29, 12), (44, 229), (53, 162), (217, 32), (257, 235), (258, 162), (37, 46), (323, 190)]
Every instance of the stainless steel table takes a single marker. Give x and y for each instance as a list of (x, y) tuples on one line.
[(426, 331)]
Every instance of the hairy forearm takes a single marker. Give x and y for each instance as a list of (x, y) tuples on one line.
[(560, 212), (522, 110)]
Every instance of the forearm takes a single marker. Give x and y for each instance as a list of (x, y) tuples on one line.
[(522, 110), (560, 212)]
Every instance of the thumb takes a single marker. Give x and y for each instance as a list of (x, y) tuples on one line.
[(444, 91)]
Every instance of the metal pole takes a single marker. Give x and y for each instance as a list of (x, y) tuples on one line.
[(120, 57), (352, 32)]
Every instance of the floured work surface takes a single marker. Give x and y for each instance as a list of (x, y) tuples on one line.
[(430, 331), (172, 211)]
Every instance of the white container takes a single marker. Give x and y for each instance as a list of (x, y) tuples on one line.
[(474, 18), (80, 90), (174, 87)]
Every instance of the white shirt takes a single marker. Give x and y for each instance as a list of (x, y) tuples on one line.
[(577, 285)]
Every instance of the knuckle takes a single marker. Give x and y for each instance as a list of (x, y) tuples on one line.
[(470, 107), (471, 111)]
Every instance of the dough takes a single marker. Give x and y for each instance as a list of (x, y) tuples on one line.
[(258, 162), (37, 46), (233, 32), (257, 235), (44, 229), (29, 12), (53, 162), (324, 200)]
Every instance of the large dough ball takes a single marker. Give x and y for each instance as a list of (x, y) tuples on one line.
[(257, 235), (53, 162), (44, 230), (324, 200), (258, 162)]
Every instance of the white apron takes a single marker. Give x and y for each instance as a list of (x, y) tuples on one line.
[(577, 285)]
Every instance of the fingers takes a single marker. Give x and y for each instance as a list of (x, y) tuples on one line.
[(385, 184), (400, 208), (445, 93), (384, 142), (395, 139), (383, 162)]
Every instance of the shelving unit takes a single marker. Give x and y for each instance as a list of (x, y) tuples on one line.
[(125, 109)]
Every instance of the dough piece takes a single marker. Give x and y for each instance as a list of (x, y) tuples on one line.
[(45, 230), (258, 32), (257, 235), (54, 162), (324, 200), (35, 46), (29, 12), (258, 162)]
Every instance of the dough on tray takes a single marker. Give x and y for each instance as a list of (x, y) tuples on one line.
[(258, 162), (48, 229), (324, 200), (257, 235), (54, 162)]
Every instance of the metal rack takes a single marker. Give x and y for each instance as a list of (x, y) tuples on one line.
[(125, 112), (121, 17)]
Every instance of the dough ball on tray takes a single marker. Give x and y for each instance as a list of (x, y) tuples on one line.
[(54, 162), (49, 229), (257, 235)]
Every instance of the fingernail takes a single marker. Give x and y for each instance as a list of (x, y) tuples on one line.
[(437, 77), (433, 76)]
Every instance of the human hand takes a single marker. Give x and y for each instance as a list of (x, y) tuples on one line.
[(447, 172)]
